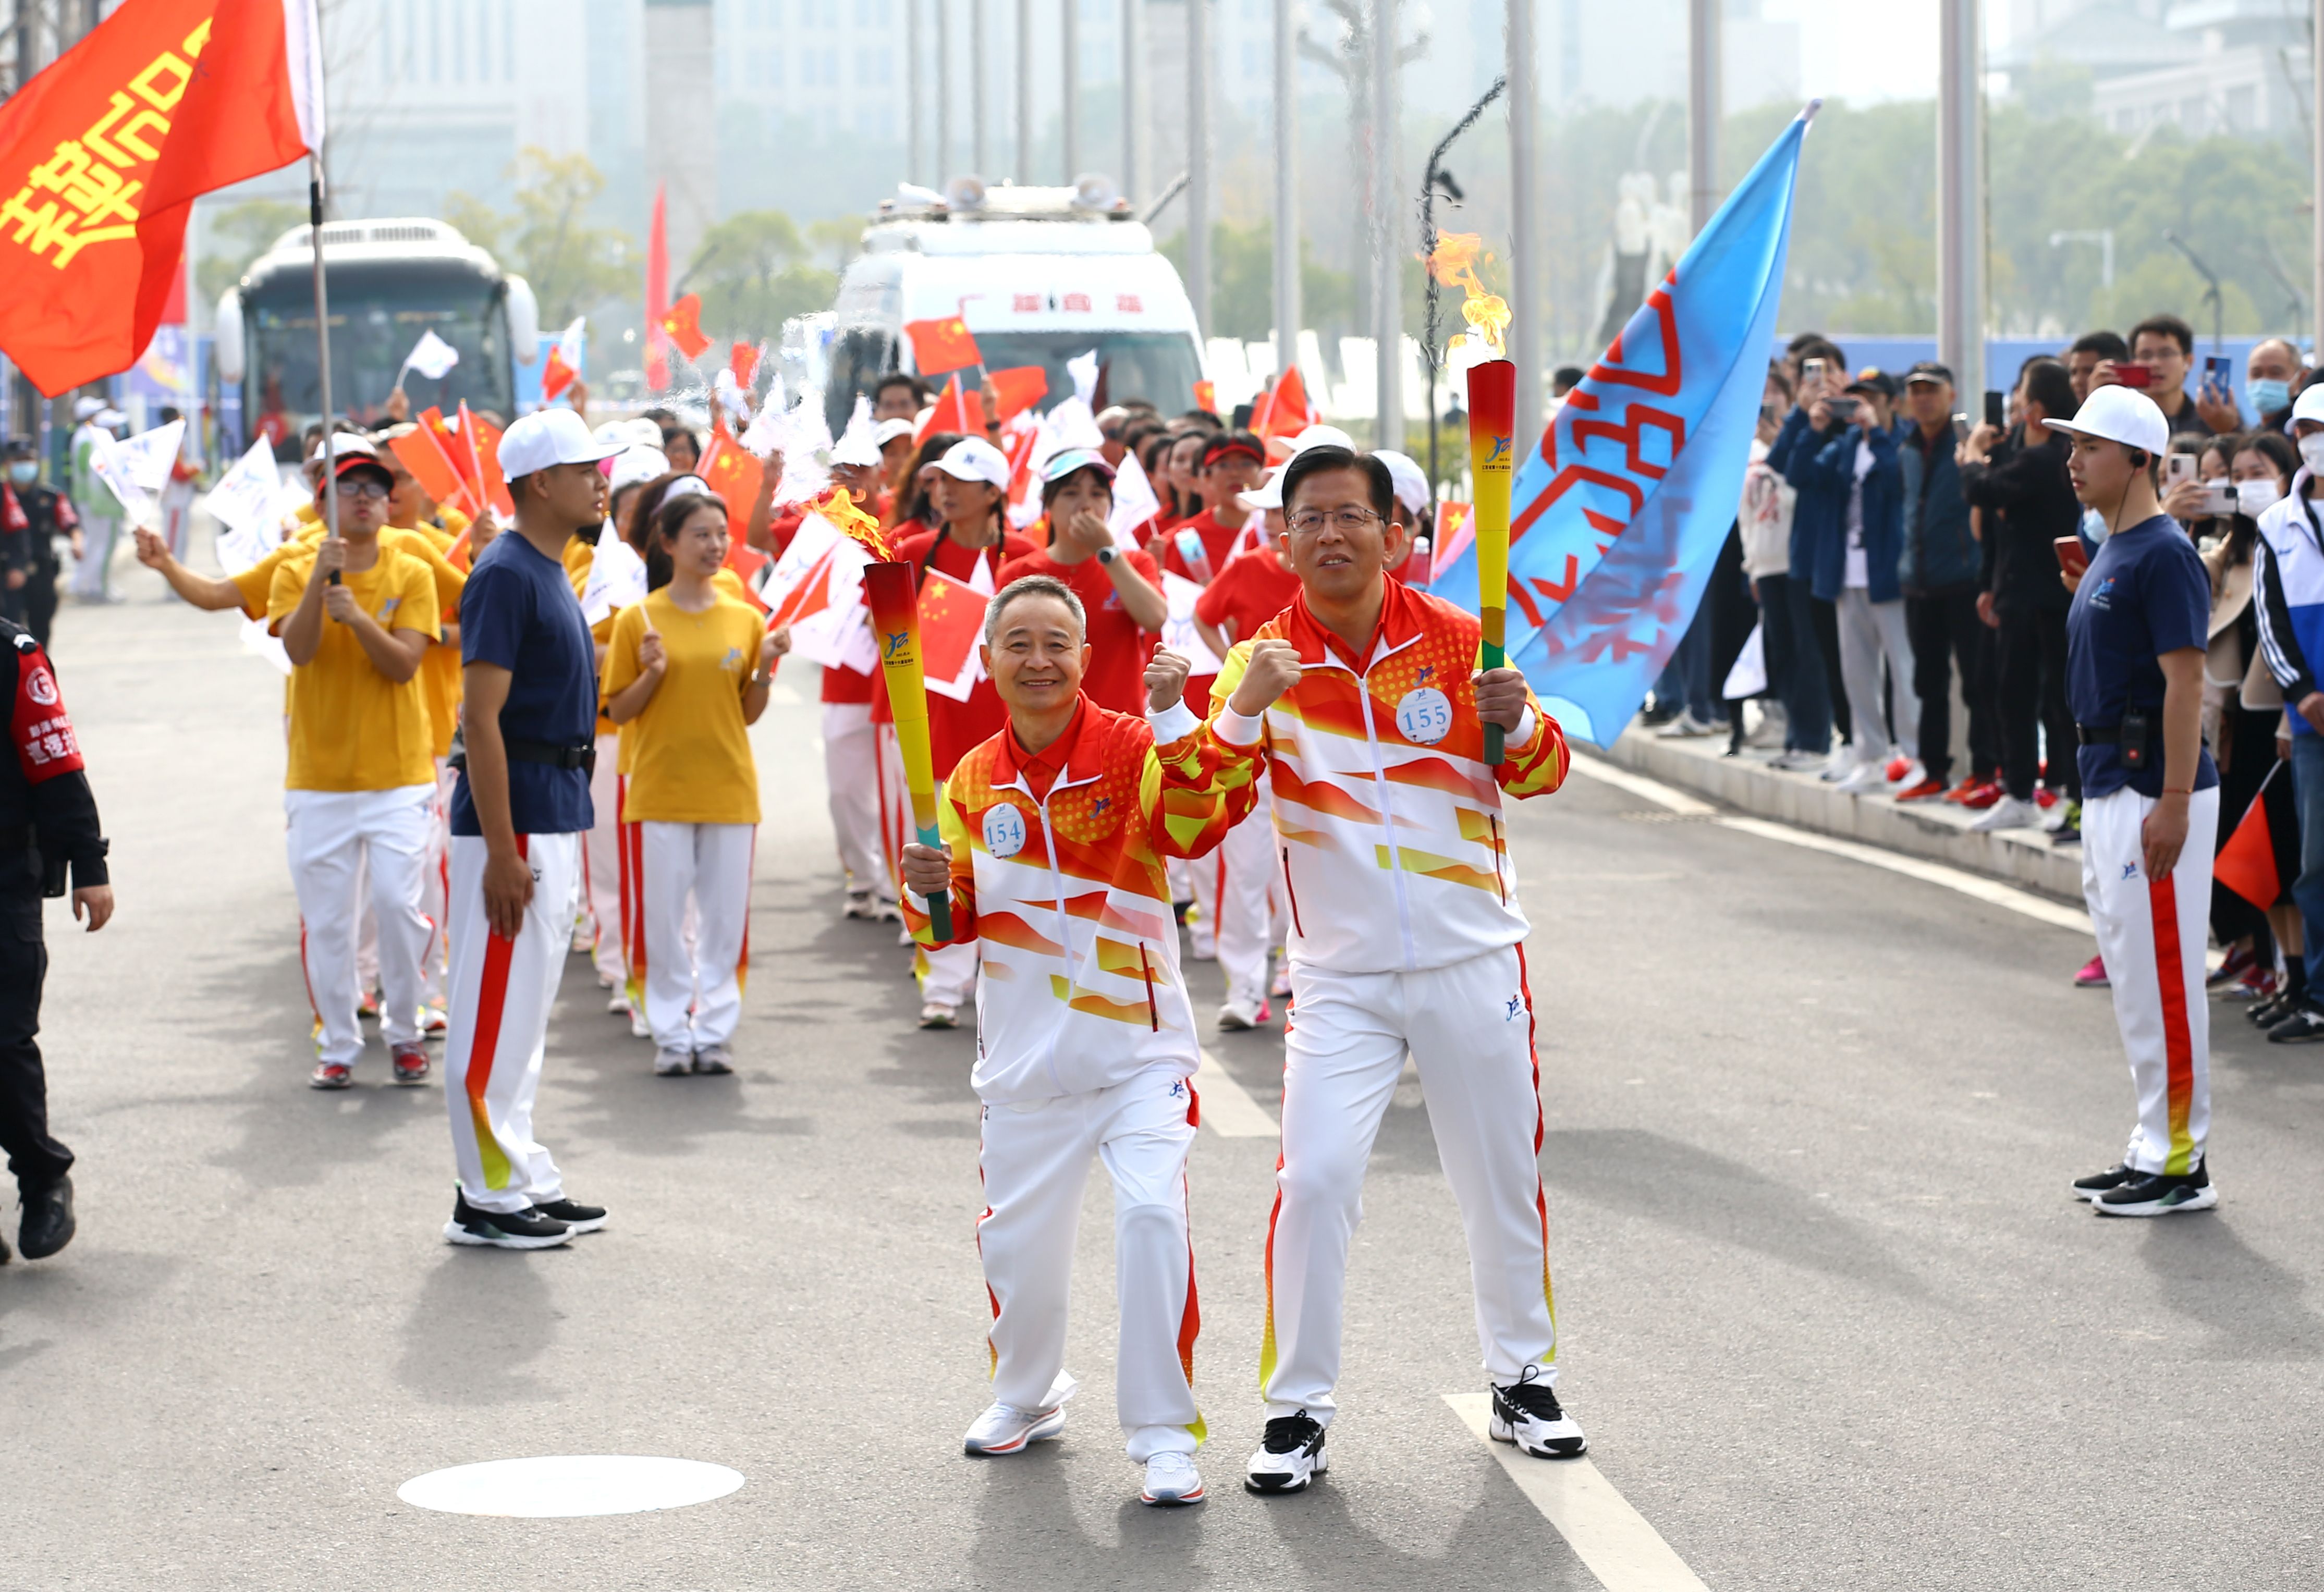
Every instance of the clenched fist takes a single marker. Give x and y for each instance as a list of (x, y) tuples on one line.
[(1166, 679), (928, 869), (1501, 698), (1273, 669)]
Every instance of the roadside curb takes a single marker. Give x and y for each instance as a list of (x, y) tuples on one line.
[(1938, 831)]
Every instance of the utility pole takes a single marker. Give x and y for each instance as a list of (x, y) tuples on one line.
[(1387, 288), (913, 171), (1024, 90), (1286, 186), (2316, 75), (1070, 15), (1525, 339), (979, 152), (1133, 96), (1703, 112), (1960, 194), (1198, 162), (943, 173)]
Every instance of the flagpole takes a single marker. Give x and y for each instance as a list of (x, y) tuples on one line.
[(323, 347)]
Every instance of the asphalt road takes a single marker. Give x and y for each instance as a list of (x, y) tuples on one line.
[(1827, 1313)]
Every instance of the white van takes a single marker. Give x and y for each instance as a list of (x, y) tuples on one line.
[(1041, 275)]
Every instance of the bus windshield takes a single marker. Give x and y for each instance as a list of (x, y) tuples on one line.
[(1159, 367), (379, 311)]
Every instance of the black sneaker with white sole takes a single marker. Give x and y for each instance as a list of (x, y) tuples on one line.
[(2159, 1193), (1290, 1455), (502, 1230), (2102, 1182), (1526, 1413), (2303, 1024), (576, 1217)]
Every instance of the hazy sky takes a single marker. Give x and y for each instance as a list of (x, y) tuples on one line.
[(1863, 52)]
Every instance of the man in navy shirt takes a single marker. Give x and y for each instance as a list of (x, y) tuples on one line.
[(2134, 641), (529, 725)]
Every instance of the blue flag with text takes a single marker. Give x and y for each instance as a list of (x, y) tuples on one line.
[(1618, 517)]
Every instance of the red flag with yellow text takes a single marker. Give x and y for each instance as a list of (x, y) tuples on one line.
[(103, 153)]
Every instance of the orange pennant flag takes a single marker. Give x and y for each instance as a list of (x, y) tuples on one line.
[(2246, 863), (744, 363), (423, 455), (463, 465), (1020, 388), (942, 345), (484, 443), (683, 325)]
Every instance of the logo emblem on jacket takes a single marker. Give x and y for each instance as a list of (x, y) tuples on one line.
[(42, 687), (1424, 716), (1516, 1005), (1004, 832)]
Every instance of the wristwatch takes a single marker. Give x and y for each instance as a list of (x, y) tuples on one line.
[(1106, 555)]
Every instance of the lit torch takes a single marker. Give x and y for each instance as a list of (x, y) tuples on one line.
[(1492, 425), (895, 621), (1453, 263)]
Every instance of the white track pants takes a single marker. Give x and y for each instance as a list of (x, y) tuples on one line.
[(341, 842), (436, 889), (1243, 892), (694, 994), (1869, 632), (502, 990), (1036, 1159), (851, 769), (2152, 934), (601, 865), (1469, 1029)]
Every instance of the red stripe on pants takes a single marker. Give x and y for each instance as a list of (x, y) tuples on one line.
[(491, 999), (2171, 980)]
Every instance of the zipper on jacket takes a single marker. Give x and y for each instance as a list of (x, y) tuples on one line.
[(1498, 877), (1064, 936), (1388, 819), (1291, 890), (1153, 1017)]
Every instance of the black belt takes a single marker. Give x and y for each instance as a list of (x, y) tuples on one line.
[(551, 753), (2090, 735)]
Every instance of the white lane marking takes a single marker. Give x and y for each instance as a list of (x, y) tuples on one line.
[(1663, 795), (1991, 891), (1612, 1538), (1228, 1109), (564, 1487)]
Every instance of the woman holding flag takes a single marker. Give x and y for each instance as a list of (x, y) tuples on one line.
[(688, 671)]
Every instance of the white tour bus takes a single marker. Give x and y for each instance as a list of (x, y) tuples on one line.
[(1041, 275)]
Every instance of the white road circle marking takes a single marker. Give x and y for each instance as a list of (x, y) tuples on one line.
[(569, 1485)]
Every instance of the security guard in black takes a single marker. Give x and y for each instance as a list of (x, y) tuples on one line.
[(32, 519), (48, 826)]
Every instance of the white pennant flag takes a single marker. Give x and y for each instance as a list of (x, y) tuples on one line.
[(1083, 371), (243, 502), (1178, 632), (1134, 502), (138, 468), (431, 356), (617, 578)]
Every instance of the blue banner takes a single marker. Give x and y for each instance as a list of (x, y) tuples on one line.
[(1618, 515)]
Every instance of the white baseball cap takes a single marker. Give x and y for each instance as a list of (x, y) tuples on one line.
[(83, 408), (2119, 414), (2310, 404), (1322, 436), (343, 443), (637, 465), (975, 459), (886, 431), (550, 437), (1269, 494), (1411, 483)]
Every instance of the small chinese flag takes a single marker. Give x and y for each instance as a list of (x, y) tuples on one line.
[(563, 366), (445, 435), (734, 476), (952, 620), (744, 363), (422, 452), (1284, 410), (942, 345), (102, 154), (683, 325), (1206, 396), (1020, 388), (485, 443), (957, 409), (2246, 863)]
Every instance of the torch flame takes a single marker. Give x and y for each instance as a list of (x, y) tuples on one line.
[(837, 507), (1453, 261)]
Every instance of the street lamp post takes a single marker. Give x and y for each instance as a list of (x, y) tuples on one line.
[(1133, 95), (1960, 194), (977, 150), (1287, 187), (1024, 90), (1198, 162), (1069, 16), (1388, 296), (1525, 339), (1702, 108), (943, 93)]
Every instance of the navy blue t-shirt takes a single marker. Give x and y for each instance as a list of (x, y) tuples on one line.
[(2144, 595), (519, 611)]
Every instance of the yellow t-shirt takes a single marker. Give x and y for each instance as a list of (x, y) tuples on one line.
[(578, 556), (689, 752), (439, 666), (351, 727), (727, 583), (257, 584)]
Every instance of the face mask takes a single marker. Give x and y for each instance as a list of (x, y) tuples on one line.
[(2253, 497), (2311, 448), (23, 474), (2094, 526), (2267, 394)]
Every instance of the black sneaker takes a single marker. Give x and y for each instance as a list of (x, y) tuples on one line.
[(2160, 1193), (578, 1218), (2102, 1182), (1526, 1413), (1290, 1457), (2299, 1025), (502, 1230), (48, 1224), (2260, 1013)]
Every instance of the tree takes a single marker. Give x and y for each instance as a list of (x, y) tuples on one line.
[(572, 266), (238, 235), (753, 273)]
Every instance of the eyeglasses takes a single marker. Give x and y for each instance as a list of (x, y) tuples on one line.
[(1308, 521), (364, 489)]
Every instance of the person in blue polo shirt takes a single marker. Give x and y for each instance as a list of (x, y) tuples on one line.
[(2135, 643), (519, 810)]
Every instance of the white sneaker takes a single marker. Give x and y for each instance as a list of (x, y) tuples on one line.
[(638, 1027), (1172, 1478), (1526, 1413), (1863, 779), (1005, 1430), (1840, 763), (1914, 774), (2008, 813), (620, 1003), (935, 1014), (713, 1061), (1771, 727), (1281, 987), (673, 1063), (1290, 1457), (888, 911), (1685, 727), (1796, 760), (859, 904), (1238, 1014)]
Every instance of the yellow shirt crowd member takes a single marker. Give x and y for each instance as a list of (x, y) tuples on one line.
[(728, 585), (352, 728), (690, 751)]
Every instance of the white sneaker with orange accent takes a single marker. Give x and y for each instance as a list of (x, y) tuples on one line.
[(1171, 1478), (1005, 1429)]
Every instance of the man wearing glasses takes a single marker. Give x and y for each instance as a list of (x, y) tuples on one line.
[(1362, 704), (355, 619)]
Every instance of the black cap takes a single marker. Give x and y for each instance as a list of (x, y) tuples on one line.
[(1927, 369), (1872, 379)]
